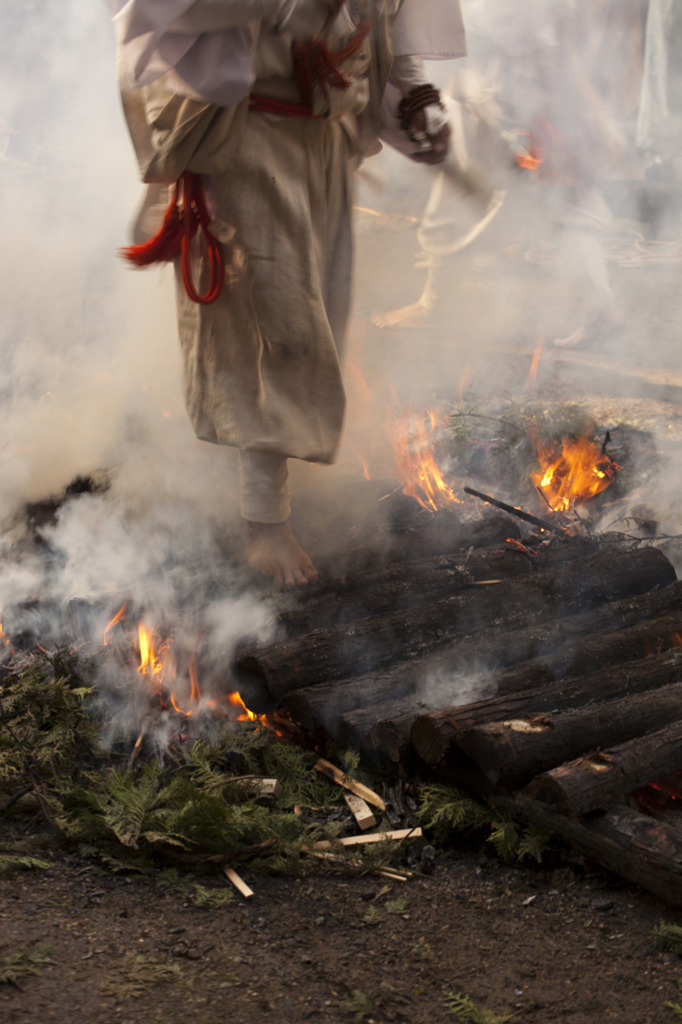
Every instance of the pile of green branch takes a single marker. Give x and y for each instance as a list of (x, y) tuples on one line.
[(184, 808)]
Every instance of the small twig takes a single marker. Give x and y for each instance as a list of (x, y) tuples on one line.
[(491, 419), (14, 799), (519, 513), (238, 882), (138, 743), (341, 779), (544, 497)]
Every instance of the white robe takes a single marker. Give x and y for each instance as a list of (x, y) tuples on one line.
[(262, 364)]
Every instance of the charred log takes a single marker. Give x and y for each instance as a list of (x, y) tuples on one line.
[(366, 586), (638, 848), (381, 640), (597, 781), (513, 751), (436, 736)]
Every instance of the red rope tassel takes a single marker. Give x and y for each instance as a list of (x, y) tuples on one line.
[(180, 225), (316, 65)]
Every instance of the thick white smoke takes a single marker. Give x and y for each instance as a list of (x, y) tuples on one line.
[(91, 369), (91, 365)]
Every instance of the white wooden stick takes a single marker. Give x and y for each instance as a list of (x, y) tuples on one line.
[(238, 882), (341, 779), (360, 811), (375, 837)]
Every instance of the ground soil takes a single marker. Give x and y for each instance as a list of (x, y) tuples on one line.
[(562, 943)]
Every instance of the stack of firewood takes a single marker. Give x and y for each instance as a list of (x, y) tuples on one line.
[(542, 673)]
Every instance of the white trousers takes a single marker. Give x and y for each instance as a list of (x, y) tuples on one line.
[(263, 490)]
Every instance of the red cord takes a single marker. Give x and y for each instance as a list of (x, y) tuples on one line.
[(175, 239)]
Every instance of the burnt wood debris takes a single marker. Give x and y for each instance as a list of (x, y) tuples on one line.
[(539, 672)]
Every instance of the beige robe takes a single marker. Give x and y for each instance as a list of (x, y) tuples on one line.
[(262, 364)]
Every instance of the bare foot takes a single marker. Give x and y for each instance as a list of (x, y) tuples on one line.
[(406, 316), (272, 550), (592, 333)]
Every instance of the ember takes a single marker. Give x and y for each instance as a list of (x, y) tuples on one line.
[(580, 472)]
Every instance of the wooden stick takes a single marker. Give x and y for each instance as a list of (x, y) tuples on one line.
[(519, 513), (395, 874), (238, 882), (360, 811), (257, 785), (341, 779), (376, 837), (138, 743)]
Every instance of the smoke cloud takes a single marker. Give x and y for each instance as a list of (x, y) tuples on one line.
[(91, 365)]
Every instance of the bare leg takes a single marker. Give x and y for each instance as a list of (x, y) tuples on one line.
[(271, 547), (600, 328), (272, 550)]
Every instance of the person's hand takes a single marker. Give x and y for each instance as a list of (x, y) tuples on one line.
[(433, 147)]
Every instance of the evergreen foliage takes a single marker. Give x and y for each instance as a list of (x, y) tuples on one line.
[(465, 1010), (184, 806), (670, 936), (17, 966)]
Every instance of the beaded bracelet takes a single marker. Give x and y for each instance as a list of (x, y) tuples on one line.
[(417, 99)]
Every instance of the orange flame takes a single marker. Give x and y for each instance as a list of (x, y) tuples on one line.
[(118, 617), (581, 472), (531, 158), (245, 715), (413, 441), (535, 362), (158, 665), (151, 665)]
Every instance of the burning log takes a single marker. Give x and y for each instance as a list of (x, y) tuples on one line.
[(578, 656), (436, 736), (597, 781), (511, 749), (511, 752), (382, 731), (635, 846), (381, 640)]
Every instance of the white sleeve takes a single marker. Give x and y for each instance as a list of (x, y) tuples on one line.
[(213, 65), (432, 29), (407, 73)]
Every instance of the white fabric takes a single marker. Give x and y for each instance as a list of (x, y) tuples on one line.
[(216, 66), (156, 38), (659, 123), (263, 490), (429, 28)]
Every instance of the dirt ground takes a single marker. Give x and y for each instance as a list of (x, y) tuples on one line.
[(563, 943)]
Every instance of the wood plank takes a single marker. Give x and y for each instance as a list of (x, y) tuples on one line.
[(341, 779)]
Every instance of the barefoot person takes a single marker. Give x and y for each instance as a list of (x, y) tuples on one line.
[(296, 88), (530, 76)]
